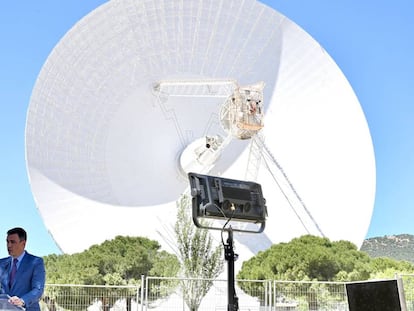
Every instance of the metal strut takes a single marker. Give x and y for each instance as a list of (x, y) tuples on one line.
[(259, 140)]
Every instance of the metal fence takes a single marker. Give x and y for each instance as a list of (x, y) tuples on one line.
[(156, 293), (408, 285)]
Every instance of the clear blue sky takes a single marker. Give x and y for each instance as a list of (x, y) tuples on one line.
[(372, 41)]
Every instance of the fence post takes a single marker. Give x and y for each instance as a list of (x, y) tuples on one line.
[(142, 291), (269, 295)]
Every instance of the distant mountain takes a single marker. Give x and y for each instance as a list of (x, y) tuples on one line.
[(399, 247)]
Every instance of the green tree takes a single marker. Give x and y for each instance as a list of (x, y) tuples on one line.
[(120, 261), (199, 258), (307, 258), (386, 268)]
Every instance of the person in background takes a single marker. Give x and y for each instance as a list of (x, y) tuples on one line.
[(22, 275)]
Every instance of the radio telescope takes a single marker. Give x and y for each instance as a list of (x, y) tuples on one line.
[(139, 93)]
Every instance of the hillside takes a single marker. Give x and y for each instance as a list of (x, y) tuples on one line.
[(400, 247)]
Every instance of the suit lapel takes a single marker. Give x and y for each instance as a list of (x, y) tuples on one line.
[(20, 270)]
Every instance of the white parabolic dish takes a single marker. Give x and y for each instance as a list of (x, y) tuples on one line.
[(103, 147)]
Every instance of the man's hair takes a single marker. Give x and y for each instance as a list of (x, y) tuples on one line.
[(20, 232)]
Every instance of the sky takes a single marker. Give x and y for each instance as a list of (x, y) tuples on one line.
[(372, 42)]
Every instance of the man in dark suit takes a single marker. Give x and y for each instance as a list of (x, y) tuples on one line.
[(22, 275)]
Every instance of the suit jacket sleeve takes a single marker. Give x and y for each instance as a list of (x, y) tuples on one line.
[(37, 280)]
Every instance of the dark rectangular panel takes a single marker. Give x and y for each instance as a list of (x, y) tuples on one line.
[(384, 295)]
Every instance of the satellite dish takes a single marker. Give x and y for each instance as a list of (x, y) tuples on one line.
[(136, 88)]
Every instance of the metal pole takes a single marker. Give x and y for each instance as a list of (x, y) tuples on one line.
[(233, 300)]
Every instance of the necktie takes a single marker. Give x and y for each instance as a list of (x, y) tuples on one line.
[(13, 272)]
